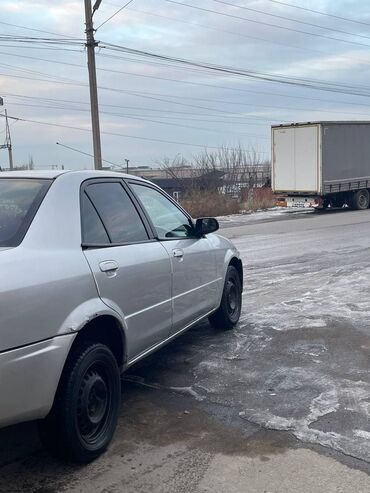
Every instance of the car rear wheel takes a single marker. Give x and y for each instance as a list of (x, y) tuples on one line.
[(228, 313), (84, 416)]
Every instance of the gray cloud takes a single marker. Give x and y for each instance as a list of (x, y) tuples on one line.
[(221, 108)]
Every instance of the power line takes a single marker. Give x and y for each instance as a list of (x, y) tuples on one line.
[(239, 103), (235, 71), (328, 86), (45, 80), (214, 86), (139, 118), (115, 134), (10, 125), (114, 106), (226, 113), (277, 26), (43, 74), (186, 22), (85, 153), (262, 76), (38, 48), (123, 91), (33, 29), (136, 93), (184, 114), (260, 121), (105, 55), (116, 13), (54, 100), (249, 9), (316, 84), (150, 120), (200, 25), (258, 38), (48, 41), (347, 19)]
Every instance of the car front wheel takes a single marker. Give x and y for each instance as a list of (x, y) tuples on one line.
[(84, 416), (228, 313)]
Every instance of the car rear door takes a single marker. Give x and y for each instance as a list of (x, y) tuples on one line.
[(132, 269), (194, 274)]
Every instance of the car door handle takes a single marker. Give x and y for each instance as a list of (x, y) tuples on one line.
[(108, 266), (178, 252)]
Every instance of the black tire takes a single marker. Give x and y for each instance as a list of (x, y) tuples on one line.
[(84, 416), (327, 203), (360, 200), (228, 314)]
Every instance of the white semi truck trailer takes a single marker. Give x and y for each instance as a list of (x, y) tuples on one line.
[(322, 164)]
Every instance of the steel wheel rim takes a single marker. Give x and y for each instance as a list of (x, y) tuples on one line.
[(94, 404), (232, 299)]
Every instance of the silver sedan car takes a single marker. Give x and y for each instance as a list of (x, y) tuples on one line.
[(98, 270)]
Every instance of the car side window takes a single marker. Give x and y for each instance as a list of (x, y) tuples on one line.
[(168, 220), (117, 212), (93, 231)]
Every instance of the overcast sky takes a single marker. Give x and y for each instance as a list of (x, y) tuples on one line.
[(199, 108)]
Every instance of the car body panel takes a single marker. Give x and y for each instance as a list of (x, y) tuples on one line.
[(39, 289), (224, 251), (141, 287), (194, 279), (50, 288), (28, 379)]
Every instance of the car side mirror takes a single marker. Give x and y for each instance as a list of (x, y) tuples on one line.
[(206, 225)]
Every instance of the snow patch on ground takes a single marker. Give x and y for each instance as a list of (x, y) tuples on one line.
[(362, 434), (328, 402), (253, 216)]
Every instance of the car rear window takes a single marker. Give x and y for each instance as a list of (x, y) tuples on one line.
[(19, 201)]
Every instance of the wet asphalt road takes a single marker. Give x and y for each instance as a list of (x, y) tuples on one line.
[(280, 404)]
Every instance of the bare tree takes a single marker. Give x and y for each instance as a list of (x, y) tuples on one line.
[(227, 170)]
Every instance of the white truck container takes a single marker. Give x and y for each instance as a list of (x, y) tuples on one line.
[(322, 164)]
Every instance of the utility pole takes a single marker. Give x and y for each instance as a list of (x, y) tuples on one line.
[(90, 45), (127, 162), (8, 141)]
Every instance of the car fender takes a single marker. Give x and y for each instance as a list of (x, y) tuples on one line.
[(225, 252), (90, 310)]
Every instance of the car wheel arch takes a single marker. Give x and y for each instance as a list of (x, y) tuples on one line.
[(237, 263), (105, 329)]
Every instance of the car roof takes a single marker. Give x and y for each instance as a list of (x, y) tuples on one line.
[(47, 174)]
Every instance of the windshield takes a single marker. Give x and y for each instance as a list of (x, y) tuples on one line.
[(19, 200)]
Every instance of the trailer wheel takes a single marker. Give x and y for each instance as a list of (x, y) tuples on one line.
[(360, 200), (328, 203)]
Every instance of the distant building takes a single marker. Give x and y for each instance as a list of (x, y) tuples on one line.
[(178, 181), (179, 186)]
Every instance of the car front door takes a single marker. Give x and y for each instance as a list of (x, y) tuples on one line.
[(132, 269), (194, 273)]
